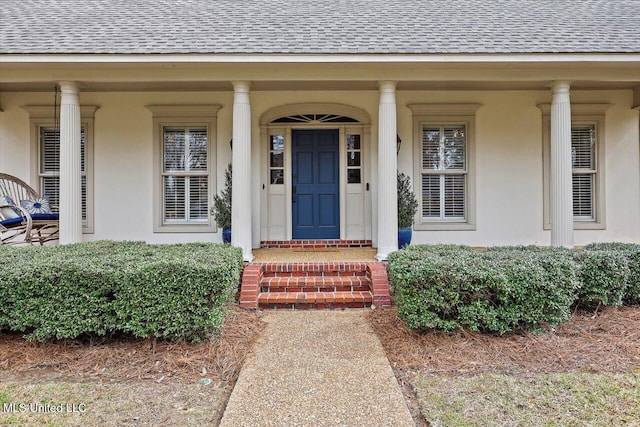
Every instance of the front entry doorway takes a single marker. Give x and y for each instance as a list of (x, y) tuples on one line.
[(315, 178)]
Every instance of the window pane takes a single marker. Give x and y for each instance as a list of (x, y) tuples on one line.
[(277, 176), (174, 150), (277, 142), (431, 196), (51, 190), (277, 160), (174, 198), (49, 150), (454, 147), (430, 148), (353, 142), (353, 176), (197, 149), (50, 164), (353, 158), (583, 143), (454, 196), (198, 198), (84, 199), (583, 196)]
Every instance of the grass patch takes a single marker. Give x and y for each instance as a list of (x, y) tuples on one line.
[(119, 404), (560, 399)]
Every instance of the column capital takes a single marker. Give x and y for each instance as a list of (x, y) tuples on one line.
[(241, 86), (560, 86), (387, 86), (69, 88)]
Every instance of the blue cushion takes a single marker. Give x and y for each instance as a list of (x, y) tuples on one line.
[(11, 221), (36, 206), (45, 217)]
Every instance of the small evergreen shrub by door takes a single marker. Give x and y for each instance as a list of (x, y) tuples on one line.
[(221, 209), (407, 208)]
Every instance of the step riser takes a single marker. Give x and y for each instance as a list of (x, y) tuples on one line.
[(316, 306), (326, 300), (275, 289), (315, 274)]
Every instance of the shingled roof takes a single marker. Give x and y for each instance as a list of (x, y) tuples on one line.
[(318, 27)]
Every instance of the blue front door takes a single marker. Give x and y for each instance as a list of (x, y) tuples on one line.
[(315, 184)]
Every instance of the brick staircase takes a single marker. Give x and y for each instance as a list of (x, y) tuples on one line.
[(315, 285)]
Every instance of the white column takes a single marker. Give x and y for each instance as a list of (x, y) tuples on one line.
[(70, 166), (561, 208), (241, 164), (387, 171)]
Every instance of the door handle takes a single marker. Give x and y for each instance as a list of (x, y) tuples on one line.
[(293, 193)]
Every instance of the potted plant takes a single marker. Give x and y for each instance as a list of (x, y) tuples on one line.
[(407, 208), (221, 209)]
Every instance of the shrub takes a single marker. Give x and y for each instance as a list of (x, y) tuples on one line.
[(165, 291), (631, 252), (179, 292), (500, 290), (221, 208), (407, 202)]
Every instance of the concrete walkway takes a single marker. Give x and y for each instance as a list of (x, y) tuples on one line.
[(317, 368)]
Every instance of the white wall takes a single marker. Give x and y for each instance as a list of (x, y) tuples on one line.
[(509, 189)]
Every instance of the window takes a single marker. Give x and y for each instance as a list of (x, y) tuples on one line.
[(587, 152), (354, 159), (185, 175), (276, 160), (45, 146), (583, 164), (184, 166), (443, 178), (49, 170), (444, 172)]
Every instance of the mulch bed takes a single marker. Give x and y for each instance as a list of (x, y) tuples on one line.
[(607, 341), (122, 359)]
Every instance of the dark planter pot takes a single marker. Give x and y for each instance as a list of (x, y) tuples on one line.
[(404, 236), (226, 235)]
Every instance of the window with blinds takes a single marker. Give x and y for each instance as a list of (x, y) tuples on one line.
[(583, 161), (185, 175), (444, 172), (49, 172)]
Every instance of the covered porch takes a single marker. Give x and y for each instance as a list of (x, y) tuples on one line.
[(244, 100)]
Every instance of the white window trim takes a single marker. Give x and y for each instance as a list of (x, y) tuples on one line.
[(443, 115), (41, 116), (581, 114), (183, 116)]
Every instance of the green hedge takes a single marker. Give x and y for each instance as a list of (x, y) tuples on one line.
[(509, 288), (631, 253), (158, 291), (499, 290)]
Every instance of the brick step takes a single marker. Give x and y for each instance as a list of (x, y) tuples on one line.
[(317, 300), (316, 284), (324, 269)]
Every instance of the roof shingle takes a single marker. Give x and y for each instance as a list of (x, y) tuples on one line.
[(318, 27)]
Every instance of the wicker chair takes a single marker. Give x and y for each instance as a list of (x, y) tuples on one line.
[(17, 225)]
